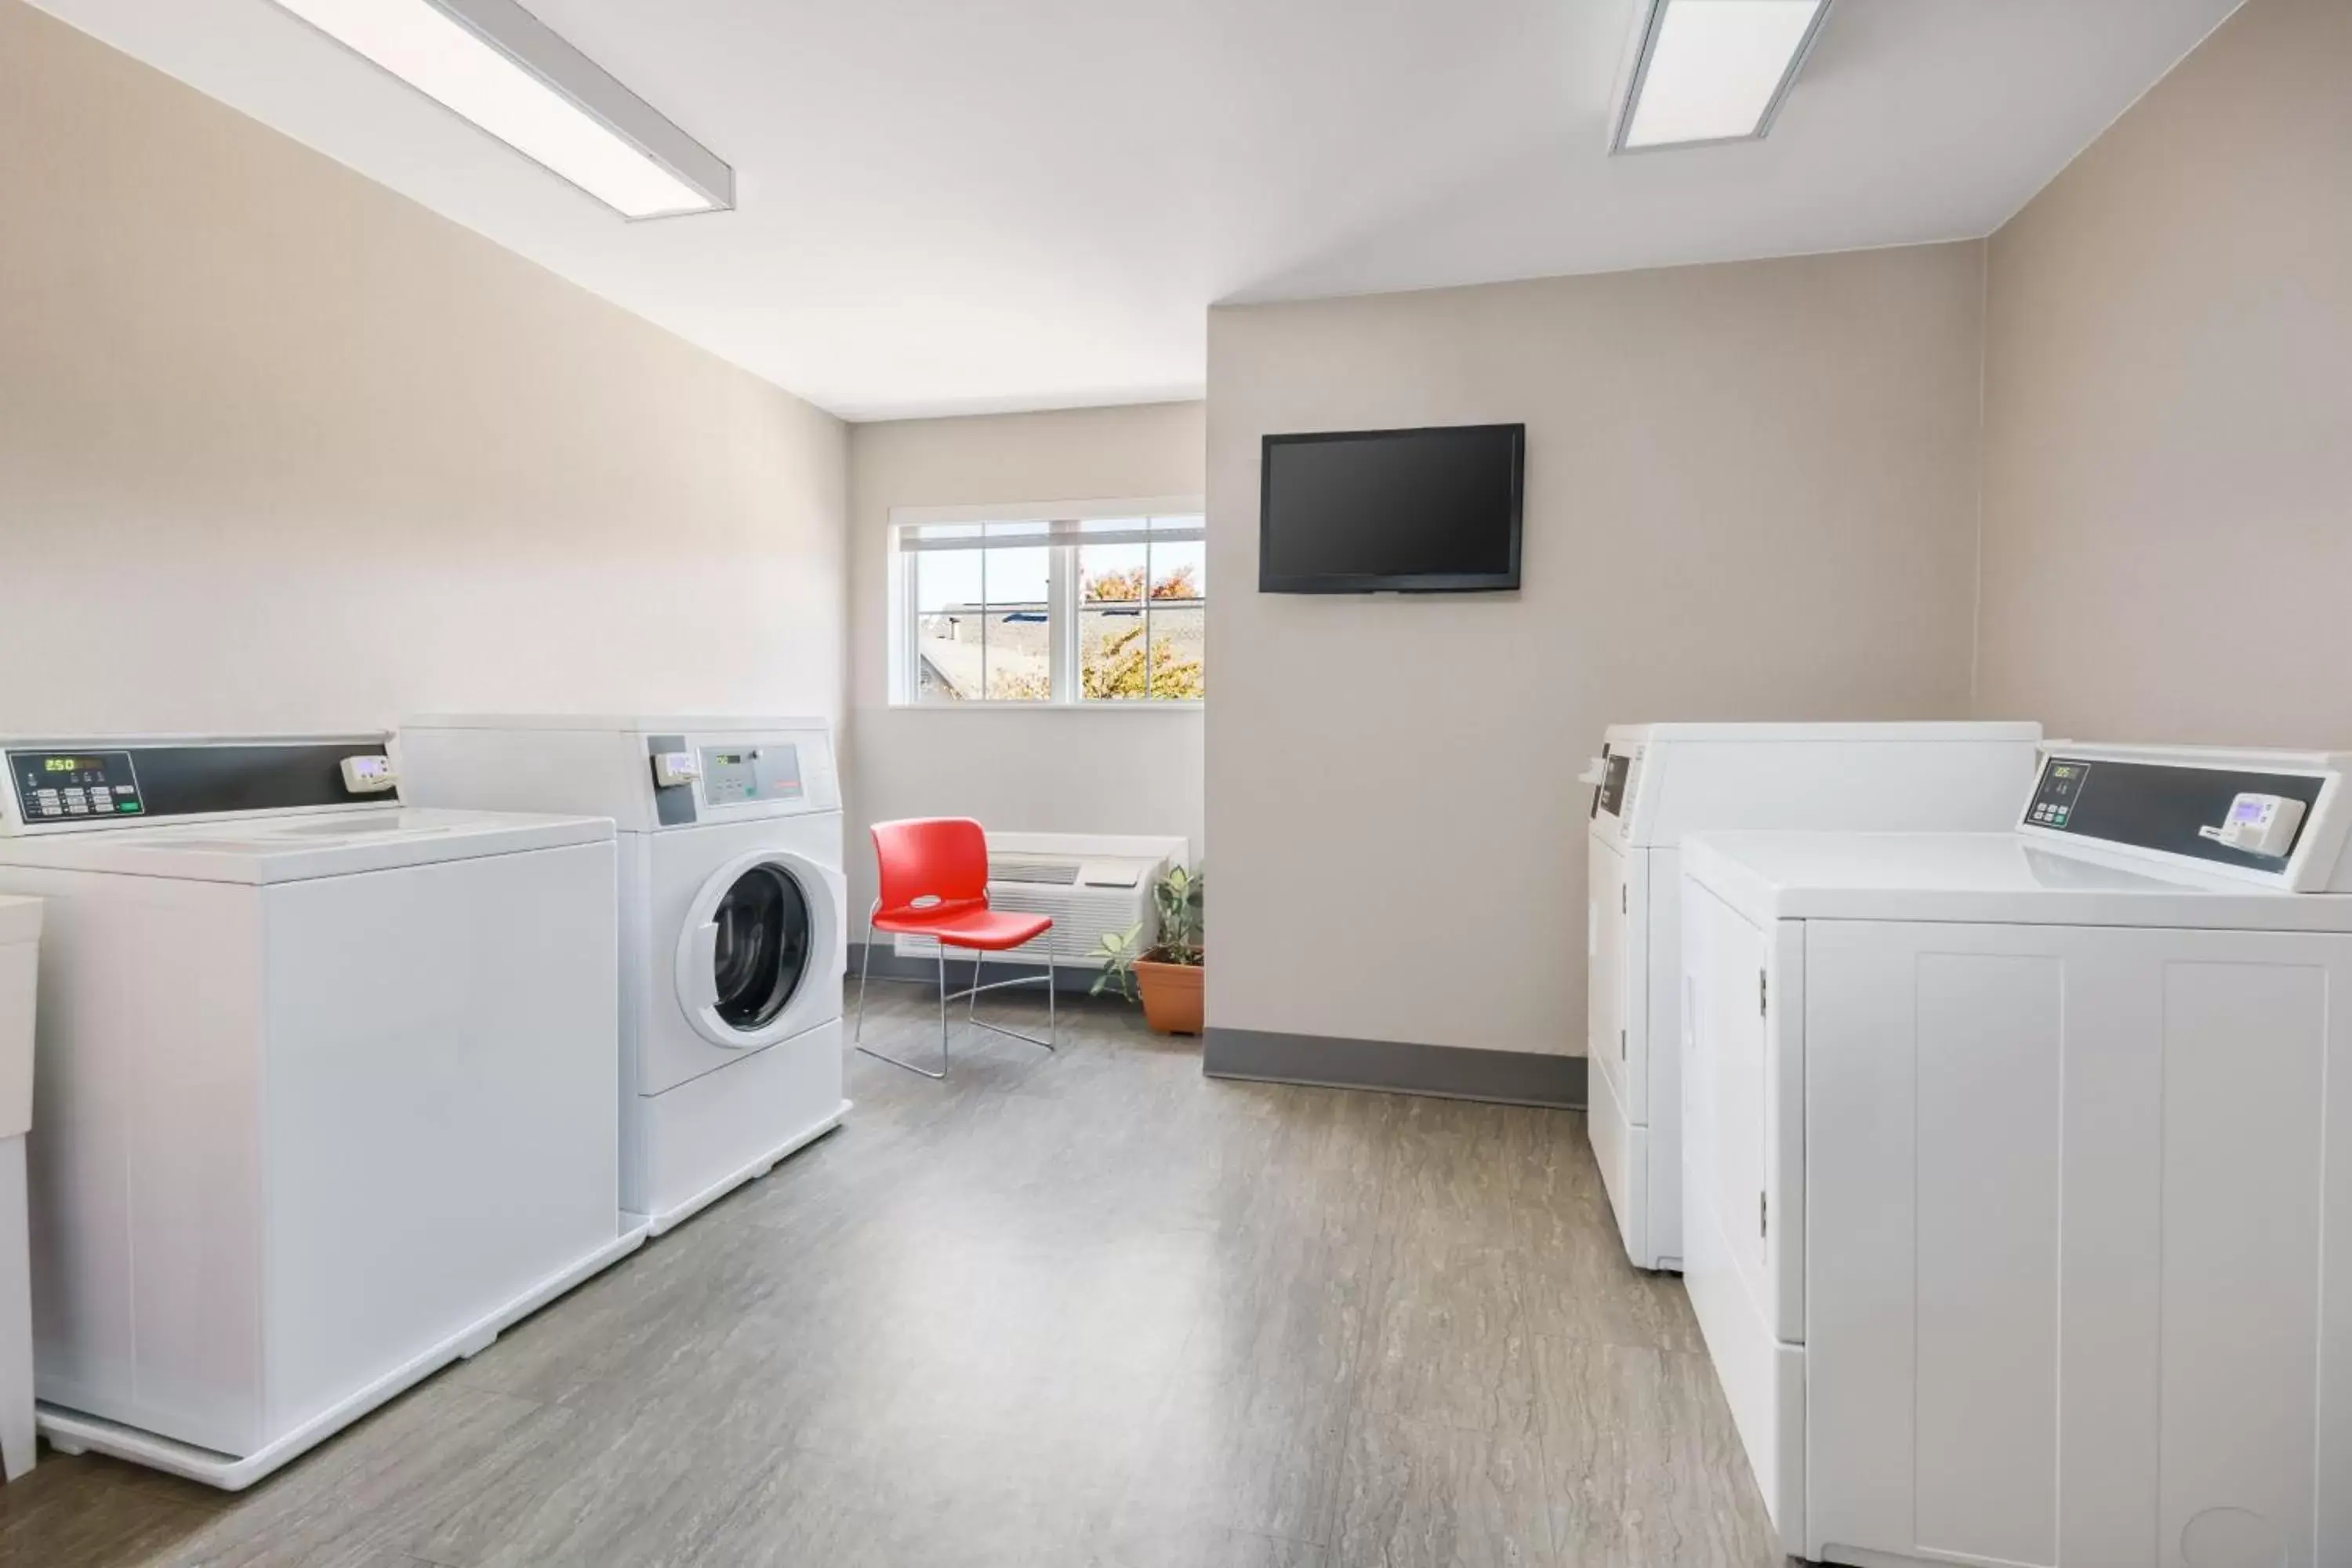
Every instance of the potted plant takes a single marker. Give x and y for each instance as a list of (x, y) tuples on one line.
[(1168, 972)]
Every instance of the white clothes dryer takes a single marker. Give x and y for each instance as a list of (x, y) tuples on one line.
[(2018, 1168), (1655, 783), (322, 1097), (733, 936)]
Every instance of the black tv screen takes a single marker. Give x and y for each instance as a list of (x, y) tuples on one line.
[(1416, 511)]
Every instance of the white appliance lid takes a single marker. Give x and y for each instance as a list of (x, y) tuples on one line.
[(1981, 879), (1894, 730), (300, 846), (622, 723)]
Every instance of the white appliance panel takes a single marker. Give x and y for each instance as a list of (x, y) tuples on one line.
[(20, 936), (694, 1143), (2077, 1180), (1621, 1149), (1607, 921), (146, 1228), (440, 1042), (1653, 989), (20, 952), (1724, 1230), (1853, 786)]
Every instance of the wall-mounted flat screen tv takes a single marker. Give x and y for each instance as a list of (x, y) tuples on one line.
[(1415, 512)]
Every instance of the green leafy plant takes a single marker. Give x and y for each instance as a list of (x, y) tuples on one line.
[(1178, 899), (1118, 669)]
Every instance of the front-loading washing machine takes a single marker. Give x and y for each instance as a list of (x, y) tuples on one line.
[(732, 932)]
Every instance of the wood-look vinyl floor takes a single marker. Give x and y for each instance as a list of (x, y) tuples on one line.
[(1084, 1310)]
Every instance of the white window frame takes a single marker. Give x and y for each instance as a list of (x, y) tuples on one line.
[(1062, 615)]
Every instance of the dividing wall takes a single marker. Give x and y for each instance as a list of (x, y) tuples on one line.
[(1751, 493)]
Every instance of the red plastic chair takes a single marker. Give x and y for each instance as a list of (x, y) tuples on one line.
[(934, 883)]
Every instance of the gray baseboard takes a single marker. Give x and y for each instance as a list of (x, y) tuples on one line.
[(889, 964), (1506, 1077)]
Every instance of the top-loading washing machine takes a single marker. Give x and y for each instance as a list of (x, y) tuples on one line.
[(732, 929), (322, 1092), (2018, 1168), (1653, 784)]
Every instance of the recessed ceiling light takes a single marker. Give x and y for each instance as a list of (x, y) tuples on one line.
[(1713, 70), (495, 64)]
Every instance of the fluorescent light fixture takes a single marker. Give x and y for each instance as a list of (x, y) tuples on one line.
[(1714, 70), (495, 64)]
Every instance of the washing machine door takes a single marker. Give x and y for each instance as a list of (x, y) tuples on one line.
[(756, 961)]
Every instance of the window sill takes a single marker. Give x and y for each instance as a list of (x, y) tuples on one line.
[(1173, 707)]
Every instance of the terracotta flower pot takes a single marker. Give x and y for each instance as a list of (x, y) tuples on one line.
[(1171, 995)]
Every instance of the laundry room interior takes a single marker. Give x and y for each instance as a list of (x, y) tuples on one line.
[(606, 948)]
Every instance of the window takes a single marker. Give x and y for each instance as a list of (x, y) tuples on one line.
[(1101, 603)]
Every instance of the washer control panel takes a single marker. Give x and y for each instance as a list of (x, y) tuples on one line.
[(737, 776), (2181, 804), (62, 786)]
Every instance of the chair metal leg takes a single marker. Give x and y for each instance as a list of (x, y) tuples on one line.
[(884, 1056), (971, 997), (972, 1014), (865, 963)]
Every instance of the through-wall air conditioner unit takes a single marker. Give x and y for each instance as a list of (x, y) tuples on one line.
[(1093, 885)]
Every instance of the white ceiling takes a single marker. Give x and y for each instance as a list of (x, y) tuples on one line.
[(948, 206)]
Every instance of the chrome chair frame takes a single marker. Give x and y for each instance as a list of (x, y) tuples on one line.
[(972, 1008)]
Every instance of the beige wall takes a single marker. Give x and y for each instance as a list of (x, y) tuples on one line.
[(281, 449), (2168, 526), (1751, 493), (1053, 771)]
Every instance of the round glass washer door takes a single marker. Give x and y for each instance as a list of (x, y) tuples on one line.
[(760, 948)]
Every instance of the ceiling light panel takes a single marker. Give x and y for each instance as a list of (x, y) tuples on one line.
[(493, 63), (1714, 70)]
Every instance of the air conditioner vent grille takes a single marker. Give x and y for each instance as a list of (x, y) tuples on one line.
[(1047, 873)]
